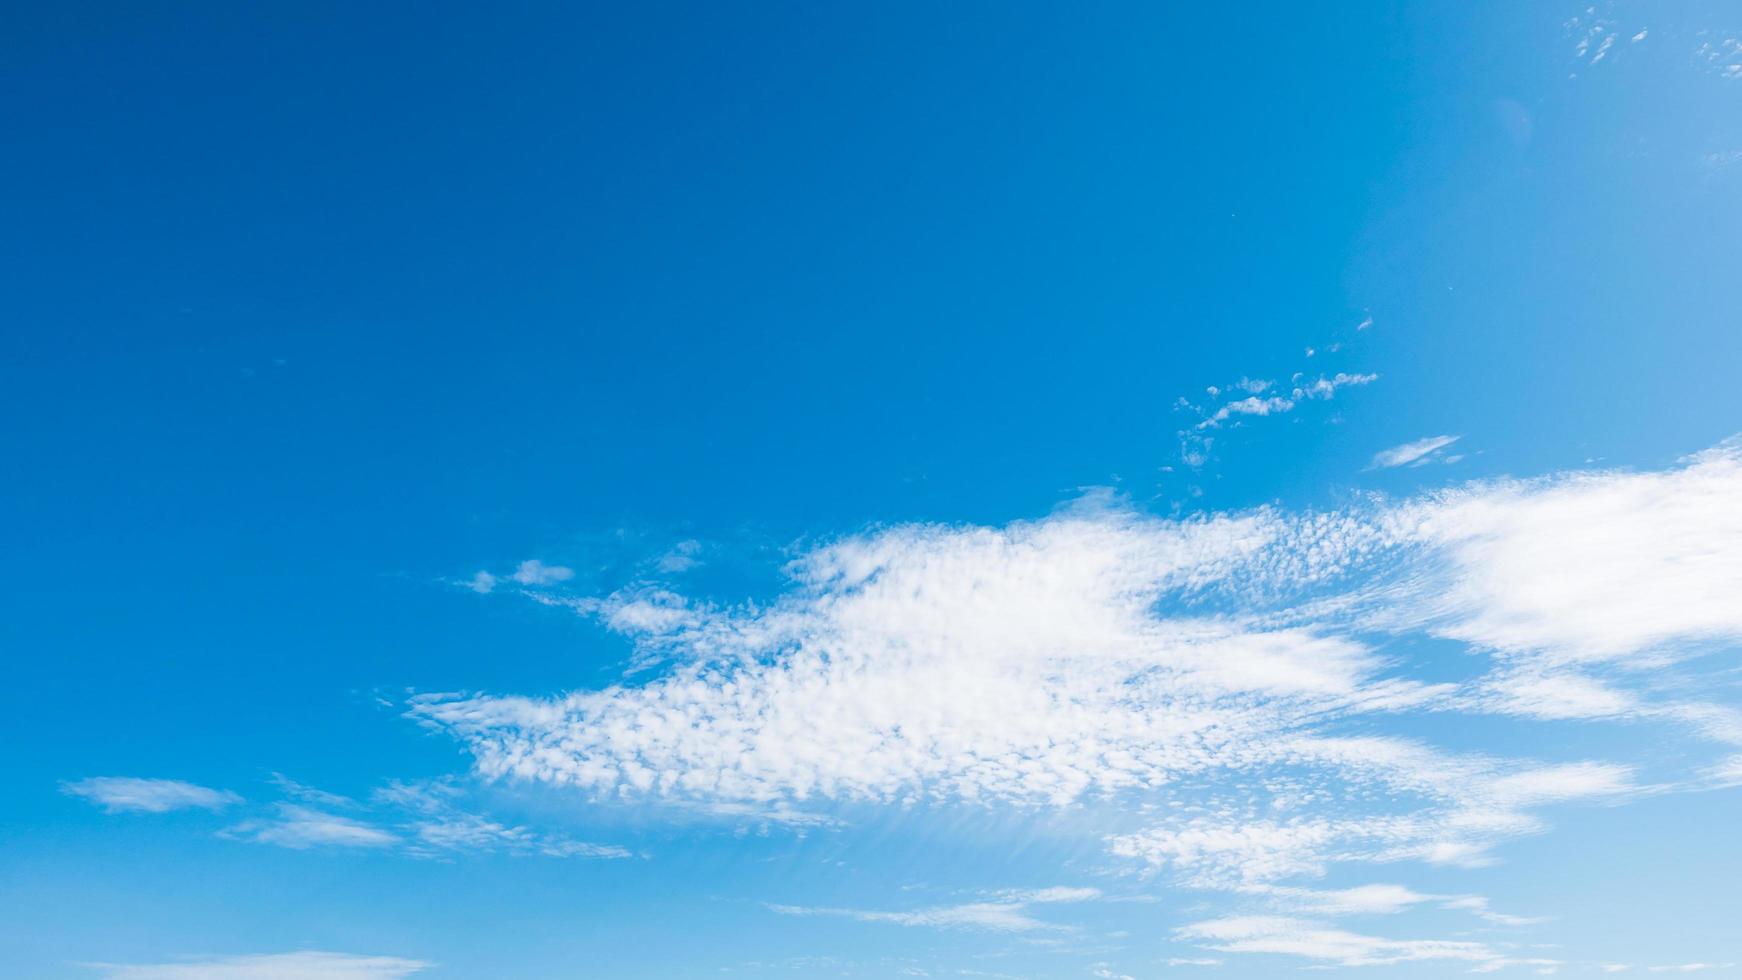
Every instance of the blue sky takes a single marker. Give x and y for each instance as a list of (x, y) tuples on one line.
[(784, 490)]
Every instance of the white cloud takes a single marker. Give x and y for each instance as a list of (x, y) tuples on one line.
[(439, 827), (1014, 664), (1728, 772), (307, 965), (416, 819), (534, 572), (1264, 397), (1478, 906), (1458, 809), (1410, 452), (1030, 663), (300, 828), (1586, 567), (1318, 941), (1006, 912), (1552, 695), (471, 833), (1197, 678), (1303, 390), (309, 794), (681, 558), (1047, 896), (482, 583), (1689, 967), (123, 793), (1361, 900), (1378, 899)]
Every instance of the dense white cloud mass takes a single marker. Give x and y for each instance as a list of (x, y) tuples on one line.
[(1220, 665), (1588, 567), (1022, 664), (308, 965), (119, 793)]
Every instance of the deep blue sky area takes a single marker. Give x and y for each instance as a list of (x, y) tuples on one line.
[(310, 311)]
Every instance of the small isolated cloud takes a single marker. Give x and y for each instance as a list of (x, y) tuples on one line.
[(1303, 390), (535, 572), (682, 557), (1193, 961), (306, 965), (118, 794), (300, 828), (1007, 912), (1263, 398), (1410, 452), (482, 583)]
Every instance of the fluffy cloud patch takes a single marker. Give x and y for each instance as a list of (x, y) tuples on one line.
[(1022, 664), (1224, 689)]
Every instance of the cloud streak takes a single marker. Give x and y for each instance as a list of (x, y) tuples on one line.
[(118, 794), (1006, 912), (1410, 452), (306, 965)]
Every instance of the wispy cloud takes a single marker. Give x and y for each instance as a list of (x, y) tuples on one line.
[(1317, 941), (1411, 452), (300, 828), (123, 793), (438, 826), (1263, 398), (681, 557), (1302, 390), (1003, 912), (309, 794), (306, 965)]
